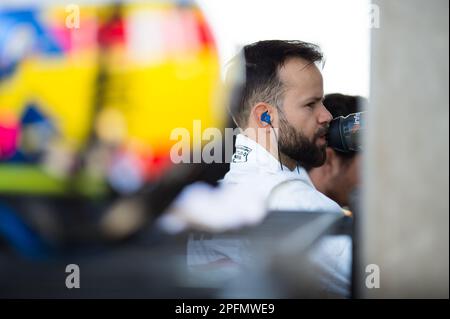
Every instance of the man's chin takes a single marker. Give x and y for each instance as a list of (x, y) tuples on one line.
[(321, 162), (321, 141), (321, 156), (314, 161)]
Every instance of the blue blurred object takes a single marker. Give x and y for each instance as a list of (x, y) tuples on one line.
[(32, 115), (20, 236), (21, 34), (36, 132)]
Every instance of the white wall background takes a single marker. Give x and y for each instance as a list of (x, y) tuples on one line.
[(341, 28)]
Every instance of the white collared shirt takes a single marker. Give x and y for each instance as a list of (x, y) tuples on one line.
[(254, 169), (284, 189)]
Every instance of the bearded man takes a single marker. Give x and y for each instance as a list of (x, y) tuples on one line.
[(284, 125)]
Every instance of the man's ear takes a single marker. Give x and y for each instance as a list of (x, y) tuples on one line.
[(333, 162), (258, 111), (330, 164)]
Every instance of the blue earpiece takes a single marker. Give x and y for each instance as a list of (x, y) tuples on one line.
[(265, 117)]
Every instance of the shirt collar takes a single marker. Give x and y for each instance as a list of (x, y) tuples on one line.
[(249, 152)]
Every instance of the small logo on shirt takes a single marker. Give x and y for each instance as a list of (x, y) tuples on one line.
[(240, 156)]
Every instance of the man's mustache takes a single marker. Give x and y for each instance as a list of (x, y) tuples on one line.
[(322, 131)]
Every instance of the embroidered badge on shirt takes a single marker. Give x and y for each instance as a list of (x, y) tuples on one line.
[(240, 156)]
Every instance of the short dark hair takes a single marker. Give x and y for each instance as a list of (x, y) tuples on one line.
[(263, 60), (342, 105)]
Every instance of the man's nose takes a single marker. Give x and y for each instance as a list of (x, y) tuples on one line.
[(324, 116)]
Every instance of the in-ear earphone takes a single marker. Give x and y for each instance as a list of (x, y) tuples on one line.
[(265, 117)]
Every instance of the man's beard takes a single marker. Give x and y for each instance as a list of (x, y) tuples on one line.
[(299, 148)]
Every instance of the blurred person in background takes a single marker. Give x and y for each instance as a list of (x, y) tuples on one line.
[(339, 176)]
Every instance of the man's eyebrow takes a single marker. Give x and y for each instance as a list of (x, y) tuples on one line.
[(314, 99)]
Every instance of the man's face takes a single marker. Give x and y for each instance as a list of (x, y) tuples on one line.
[(303, 122)]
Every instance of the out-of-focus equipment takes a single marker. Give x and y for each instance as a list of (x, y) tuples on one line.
[(345, 133), (82, 157), (77, 100)]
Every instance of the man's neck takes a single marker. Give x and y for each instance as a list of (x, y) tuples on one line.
[(288, 162), (272, 148)]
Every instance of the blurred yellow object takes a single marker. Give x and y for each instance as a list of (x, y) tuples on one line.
[(125, 79)]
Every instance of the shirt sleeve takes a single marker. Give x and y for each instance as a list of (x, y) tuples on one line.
[(299, 196)]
